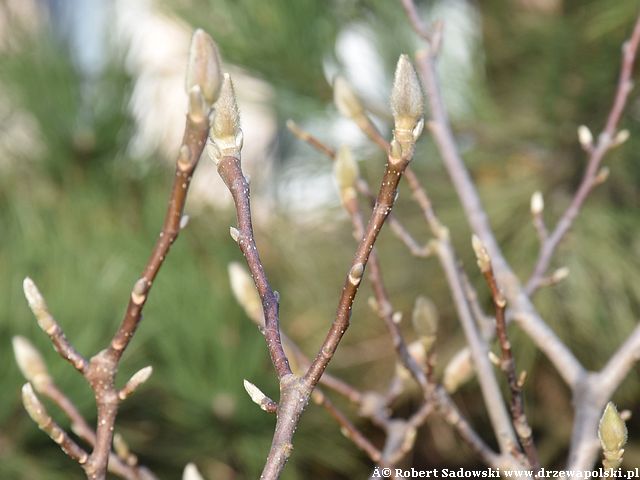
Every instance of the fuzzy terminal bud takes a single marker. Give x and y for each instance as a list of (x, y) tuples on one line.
[(407, 103), (30, 363), (191, 472), (203, 69), (38, 306), (482, 256), (537, 203), (346, 100), (225, 136), (613, 436)]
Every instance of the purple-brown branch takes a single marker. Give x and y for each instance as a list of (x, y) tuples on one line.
[(444, 404), (606, 141), (203, 83), (507, 362), (231, 173)]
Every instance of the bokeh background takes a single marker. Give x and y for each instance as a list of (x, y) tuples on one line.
[(91, 111)]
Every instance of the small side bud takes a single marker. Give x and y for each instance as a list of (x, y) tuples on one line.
[(425, 321), (458, 372), (191, 473), (203, 69), (139, 291), (346, 100), (30, 363), (407, 103), (235, 233), (522, 378), (345, 171), (560, 274), (482, 256), (494, 359), (245, 292), (418, 352), (613, 436), (537, 203), (184, 158), (259, 398), (135, 381), (184, 221), (225, 135), (585, 137), (621, 137), (601, 176), (355, 274), (396, 317)]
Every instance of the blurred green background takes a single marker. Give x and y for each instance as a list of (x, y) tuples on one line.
[(80, 208)]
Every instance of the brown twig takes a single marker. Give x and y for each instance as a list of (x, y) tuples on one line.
[(530, 321), (507, 362), (362, 186), (585, 390), (348, 429), (203, 82), (606, 141), (446, 254)]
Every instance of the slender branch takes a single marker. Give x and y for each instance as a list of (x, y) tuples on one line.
[(51, 327), (507, 363), (619, 365), (530, 321), (347, 428), (203, 84), (433, 393), (398, 229), (385, 200), (606, 141), (231, 173), (192, 146), (445, 405), (41, 417)]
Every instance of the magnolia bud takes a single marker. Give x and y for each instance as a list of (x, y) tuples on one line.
[(585, 137), (406, 96), (30, 363), (225, 135), (537, 203), (613, 436), (204, 69), (458, 372), (191, 473), (482, 256), (258, 397), (621, 137), (345, 171), (245, 292), (425, 321), (38, 305), (135, 381), (346, 100)]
